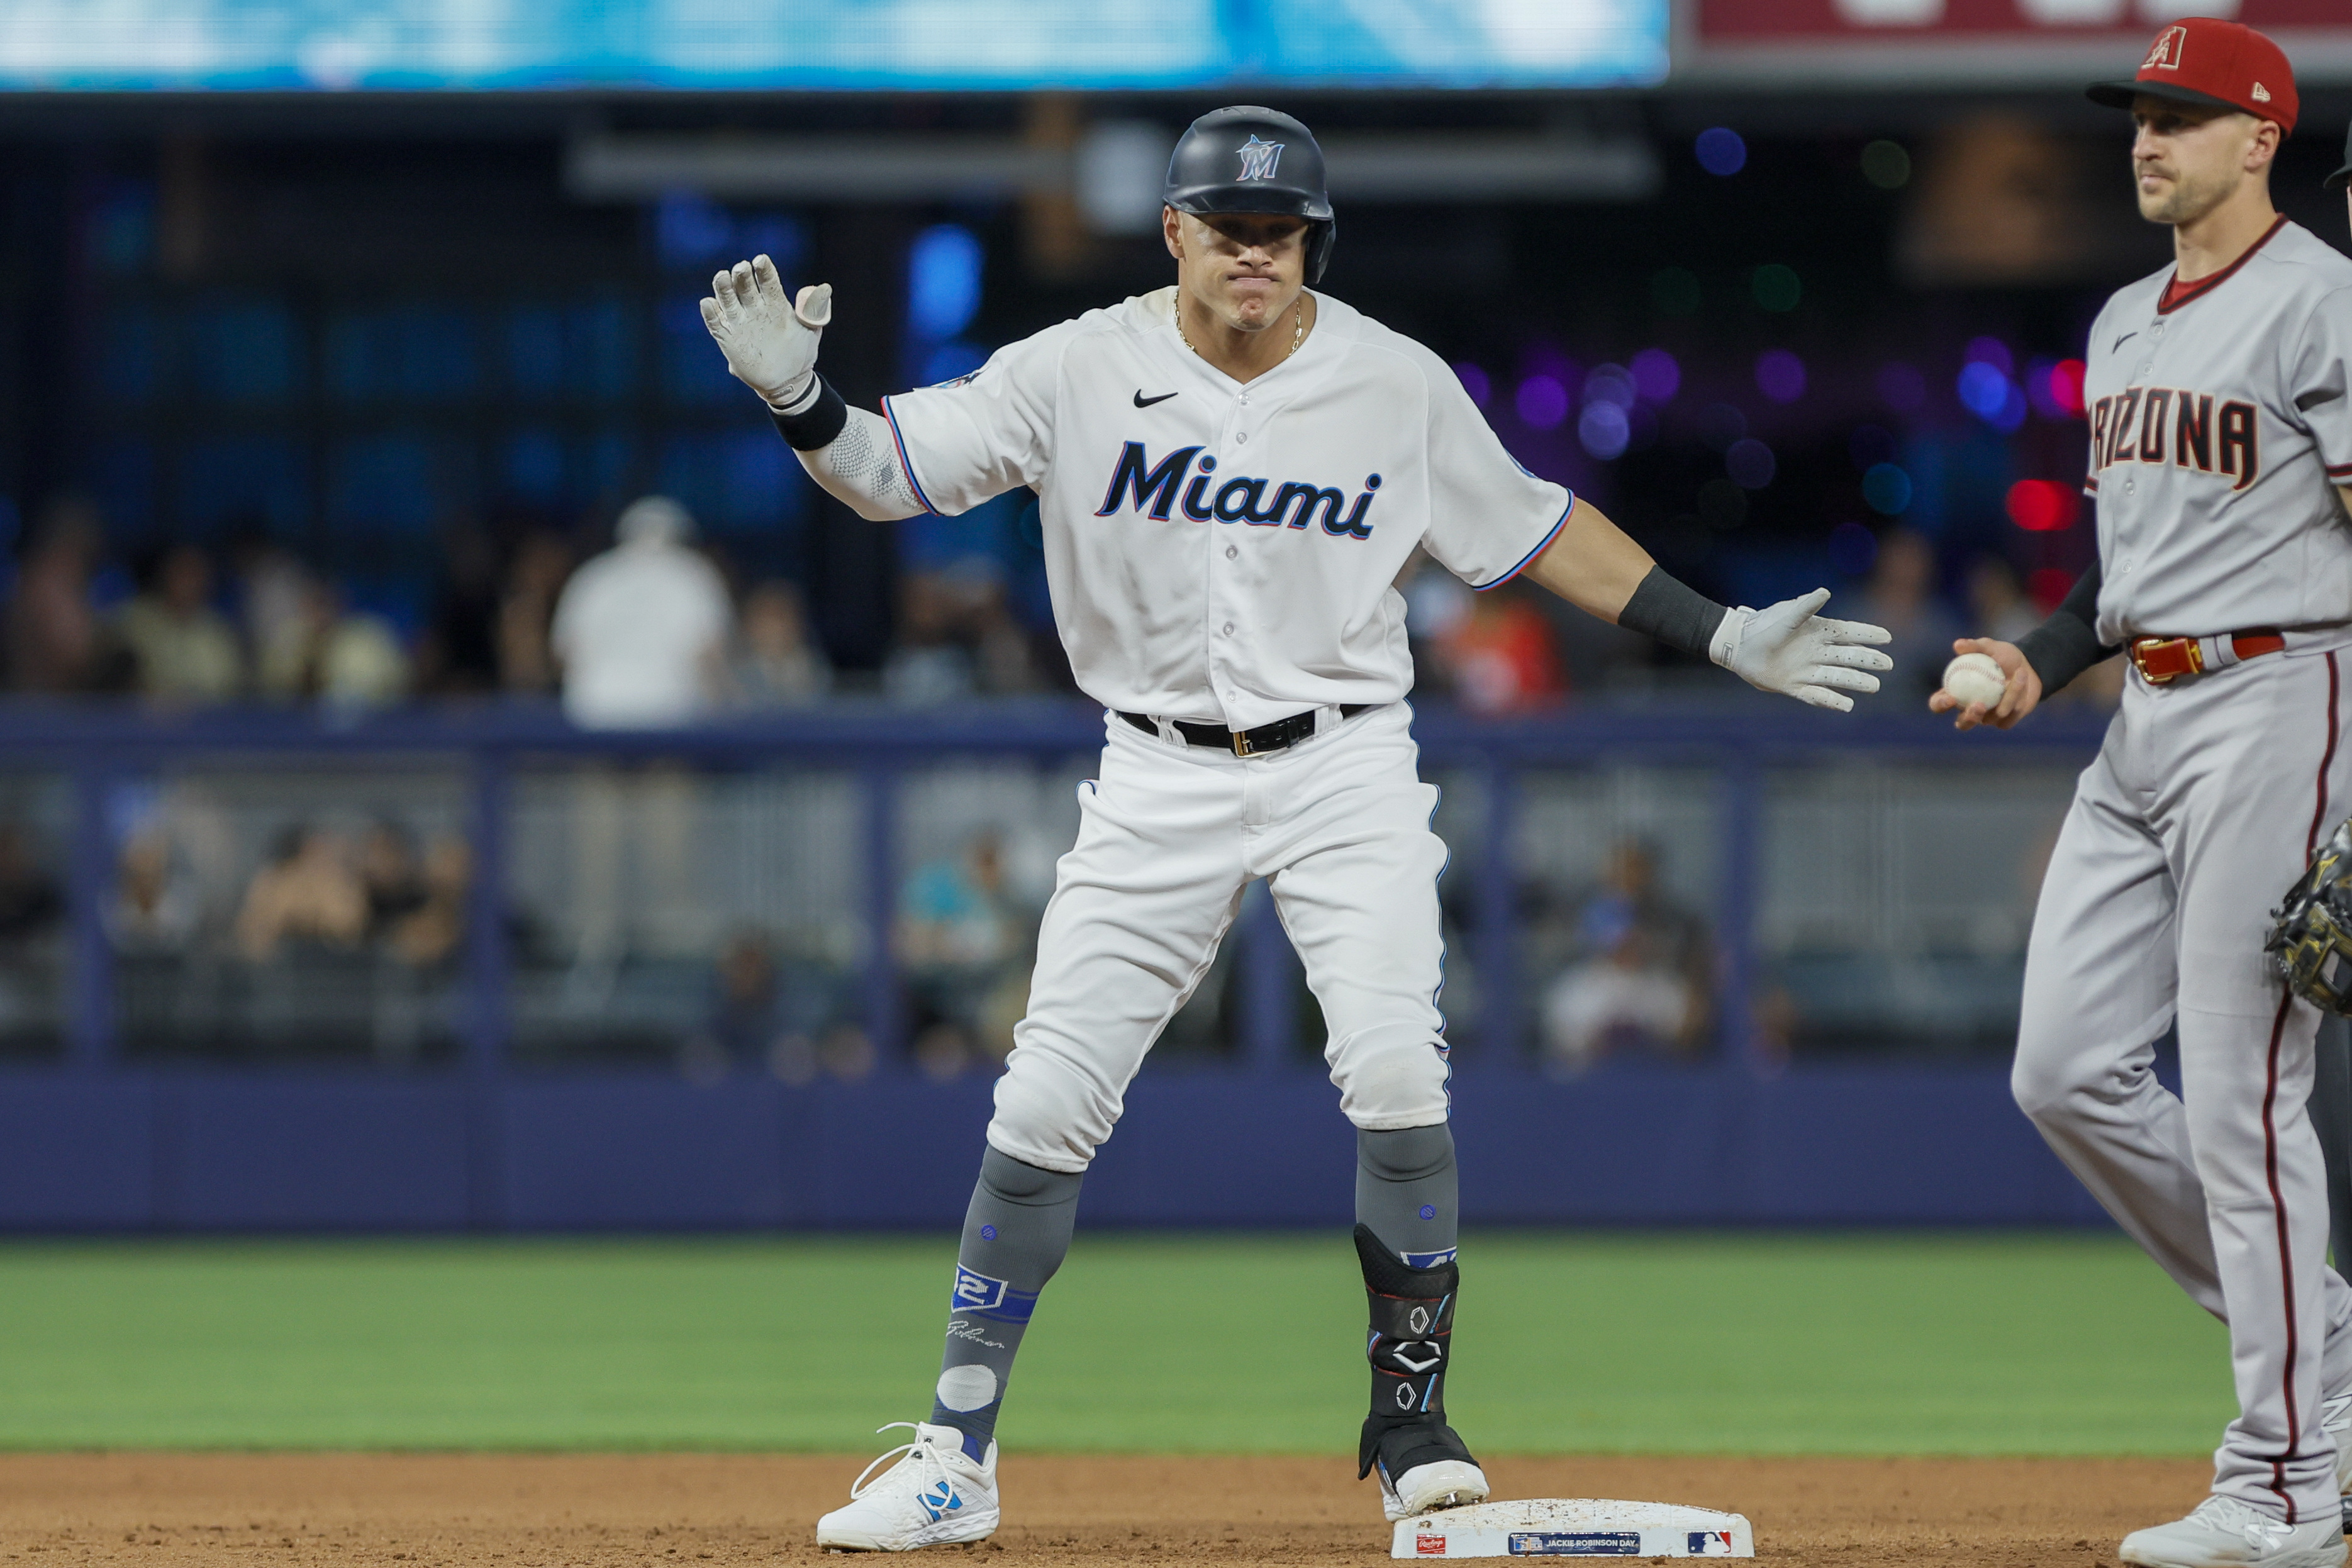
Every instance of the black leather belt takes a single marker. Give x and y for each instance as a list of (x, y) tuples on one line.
[(1279, 736)]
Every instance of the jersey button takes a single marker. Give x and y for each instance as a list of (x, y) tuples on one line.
[(1241, 435), (1231, 552), (1229, 627)]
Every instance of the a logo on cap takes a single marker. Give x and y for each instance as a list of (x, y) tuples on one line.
[(1259, 158), (2262, 93), (2164, 54)]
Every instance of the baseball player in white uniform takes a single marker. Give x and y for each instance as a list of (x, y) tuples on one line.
[(1231, 472), (2221, 438)]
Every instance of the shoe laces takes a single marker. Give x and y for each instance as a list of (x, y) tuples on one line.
[(920, 1453), (2243, 1519)]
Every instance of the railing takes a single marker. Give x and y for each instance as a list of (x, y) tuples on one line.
[(1760, 761)]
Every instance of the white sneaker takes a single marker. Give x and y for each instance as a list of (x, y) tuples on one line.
[(934, 1495), (2222, 1532), (1425, 1488)]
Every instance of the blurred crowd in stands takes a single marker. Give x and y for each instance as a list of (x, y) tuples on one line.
[(648, 626)]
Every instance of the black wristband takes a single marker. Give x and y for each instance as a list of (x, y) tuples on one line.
[(1675, 614), (2060, 649), (817, 424), (2068, 643)]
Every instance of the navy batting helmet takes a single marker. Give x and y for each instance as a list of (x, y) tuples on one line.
[(1252, 160)]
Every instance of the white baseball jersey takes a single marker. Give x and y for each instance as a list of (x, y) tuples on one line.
[(2219, 426), (1224, 551)]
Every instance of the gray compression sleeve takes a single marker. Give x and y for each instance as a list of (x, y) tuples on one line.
[(1677, 615), (2067, 645), (1016, 1235), (859, 466), (1407, 1192)]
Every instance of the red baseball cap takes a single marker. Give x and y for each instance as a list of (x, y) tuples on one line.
[(2203, 60)]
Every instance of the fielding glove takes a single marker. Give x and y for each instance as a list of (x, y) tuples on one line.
[(1787, 648), (770, 342)]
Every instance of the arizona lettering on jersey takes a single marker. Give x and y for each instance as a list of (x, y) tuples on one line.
[(2174, 424), (2220, 415), (1149, 489), (1225, 551)]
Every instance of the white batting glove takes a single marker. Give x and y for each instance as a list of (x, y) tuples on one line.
[(1787, 648), (770, 342)]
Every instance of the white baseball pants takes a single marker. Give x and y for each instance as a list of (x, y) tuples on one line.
[(2203, 806), (1169, 836)]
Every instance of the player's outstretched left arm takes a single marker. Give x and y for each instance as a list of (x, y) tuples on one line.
[(770, 341), (1784, 647)]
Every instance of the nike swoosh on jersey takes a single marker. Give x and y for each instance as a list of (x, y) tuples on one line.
[(1143, 401), (2119, 342)]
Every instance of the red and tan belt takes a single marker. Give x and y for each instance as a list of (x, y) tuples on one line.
[(2163, 660)]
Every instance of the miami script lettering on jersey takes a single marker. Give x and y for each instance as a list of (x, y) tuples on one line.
[(1186, 479), (2173, 425)]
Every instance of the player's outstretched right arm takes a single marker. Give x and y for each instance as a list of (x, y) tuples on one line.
[(770, 344), (1785, 648)]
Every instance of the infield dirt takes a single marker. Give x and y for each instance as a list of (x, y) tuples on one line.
[(556, 1511)]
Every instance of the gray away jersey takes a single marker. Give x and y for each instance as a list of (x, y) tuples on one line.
[(2220, 428), (1223, 552)]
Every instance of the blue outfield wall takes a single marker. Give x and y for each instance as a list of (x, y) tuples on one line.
[(1865, 1146)]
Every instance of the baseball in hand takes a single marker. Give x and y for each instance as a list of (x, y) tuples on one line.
[(1976, 678)]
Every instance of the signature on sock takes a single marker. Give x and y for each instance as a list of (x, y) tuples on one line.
[(960, 1328)]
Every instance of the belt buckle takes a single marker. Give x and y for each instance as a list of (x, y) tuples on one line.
[(2193, 651), (1242, 747)]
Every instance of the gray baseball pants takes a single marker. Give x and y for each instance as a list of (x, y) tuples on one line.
[(2203, 806)]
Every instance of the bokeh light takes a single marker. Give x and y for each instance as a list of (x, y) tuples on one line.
[(2048, 587), (1775, 286), (2043, 506), (2055, 388), (1854, 549), (943, 269), (1542, 401), (1603, 429), (1720, 151), (1986, 390), (1656, 376), (1991, 351), (1901, 387), (1611, 383), (1475, 381), (1886, 165), (1887, 488), (1750, 463), (1779, 375)]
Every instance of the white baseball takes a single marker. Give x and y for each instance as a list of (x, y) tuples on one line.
[(1976, 678)]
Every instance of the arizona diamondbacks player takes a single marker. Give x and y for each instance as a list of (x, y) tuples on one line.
[(2220, 413), (1231, 473)]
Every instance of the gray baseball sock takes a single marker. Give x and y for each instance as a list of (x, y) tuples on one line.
[(1406, 1192), (1015, 1234)]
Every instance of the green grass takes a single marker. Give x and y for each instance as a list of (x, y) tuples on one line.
[(1579, 1343)]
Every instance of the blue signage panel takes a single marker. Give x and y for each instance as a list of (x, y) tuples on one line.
[(734, 44)]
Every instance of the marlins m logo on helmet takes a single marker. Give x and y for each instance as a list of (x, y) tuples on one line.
[(1259, 159), (2165, 53)]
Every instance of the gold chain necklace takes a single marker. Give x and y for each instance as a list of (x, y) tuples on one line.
[(1297, 336)]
